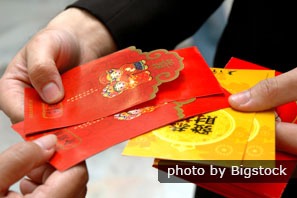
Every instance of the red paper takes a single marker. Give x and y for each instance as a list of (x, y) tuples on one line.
[(195, 80), (103, 87)]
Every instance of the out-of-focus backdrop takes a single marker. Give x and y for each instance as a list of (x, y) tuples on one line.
[(111, 174)]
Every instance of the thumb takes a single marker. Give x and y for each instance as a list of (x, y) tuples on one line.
[(267, 94), (41, 55)]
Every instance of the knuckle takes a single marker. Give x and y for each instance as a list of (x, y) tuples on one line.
[(36, 72), (38, 40), (269, 87), (38, 68), (40, 72)]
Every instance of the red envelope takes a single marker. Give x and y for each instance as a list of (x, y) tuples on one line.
[(103, 87), (288, 112), (236, 63), (189, 84), (195, 80)]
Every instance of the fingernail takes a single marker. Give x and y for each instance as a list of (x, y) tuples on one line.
[(46, 142), (241, 98), (51, 92)]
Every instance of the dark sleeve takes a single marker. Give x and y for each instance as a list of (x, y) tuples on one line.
[(150, 24)]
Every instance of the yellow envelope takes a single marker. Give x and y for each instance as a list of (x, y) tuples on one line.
[(218, 135), (261, 143)]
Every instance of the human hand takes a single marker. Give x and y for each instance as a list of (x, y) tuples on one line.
[(268, 94), (72, 38), (30, 158)]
